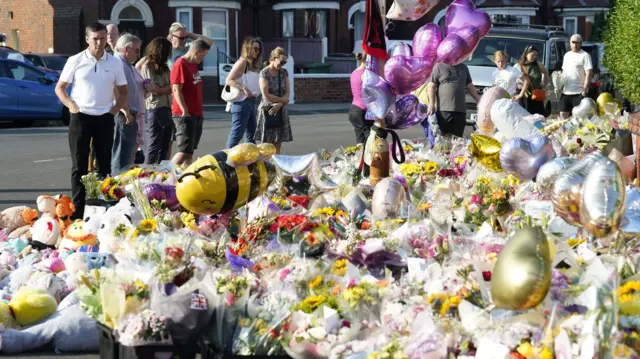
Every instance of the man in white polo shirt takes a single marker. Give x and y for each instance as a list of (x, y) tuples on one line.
[(95, 76)]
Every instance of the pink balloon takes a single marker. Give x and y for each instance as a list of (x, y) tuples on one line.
[(407, 73), (491, 95), (426, 41), (400, 49), (406, 112), (376, 94), (471, 36), (463, 13), (453, 50), (410, 10)]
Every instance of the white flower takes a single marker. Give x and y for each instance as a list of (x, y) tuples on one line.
[(317, 333)]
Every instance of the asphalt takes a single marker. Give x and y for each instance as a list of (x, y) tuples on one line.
[(36, 160)]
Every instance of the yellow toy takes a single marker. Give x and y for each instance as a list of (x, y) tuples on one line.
[(6, 318), (75, 237), (210, 185), (31, 305)]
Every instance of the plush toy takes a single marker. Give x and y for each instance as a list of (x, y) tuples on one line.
[(76, 263), (115, 225), (6, 317), (31, 305), (75, 237), (64, 209), (11, 218), (49, 282), (30, 216), (7, 258), (92, 217), (46, 230)]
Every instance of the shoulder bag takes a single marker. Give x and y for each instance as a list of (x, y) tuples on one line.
[(274, 121), (536, 94), (233, 94)]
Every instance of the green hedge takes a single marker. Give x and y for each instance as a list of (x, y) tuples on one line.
[(622, 48)]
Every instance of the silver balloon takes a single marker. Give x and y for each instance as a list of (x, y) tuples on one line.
[(522, 157), (567, 189), (388, 198), (355, 202), (549, 171), (603, 195), (302, 174), (630, 225), (586, 109)]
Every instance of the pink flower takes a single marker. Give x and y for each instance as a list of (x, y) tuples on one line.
[(476, 199), (230, 299), (352, 283), (473, 208), (284, 273)]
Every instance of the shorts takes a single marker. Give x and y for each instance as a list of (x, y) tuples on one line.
[(568, 102), (452, 123), (188, 132)]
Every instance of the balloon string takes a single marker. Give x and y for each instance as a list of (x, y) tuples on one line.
[(396, 144)]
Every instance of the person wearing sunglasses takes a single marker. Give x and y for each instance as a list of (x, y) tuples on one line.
[(576, 72)]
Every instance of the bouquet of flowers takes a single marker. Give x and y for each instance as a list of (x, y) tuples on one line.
[(145, 328), (289, 227), (488, 201)]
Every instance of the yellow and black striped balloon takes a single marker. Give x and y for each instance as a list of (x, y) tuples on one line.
[(210, 185)]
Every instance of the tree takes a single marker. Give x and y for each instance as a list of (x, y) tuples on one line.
[(600, 23), (621, 47)]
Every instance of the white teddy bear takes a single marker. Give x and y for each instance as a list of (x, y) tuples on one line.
[(123, 213)]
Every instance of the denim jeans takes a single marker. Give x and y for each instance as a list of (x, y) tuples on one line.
[(158, 130), (124, 145), (243, 122)]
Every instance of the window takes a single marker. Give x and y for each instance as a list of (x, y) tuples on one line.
[(24, 73), (185, 17), (288, 23), (357, 24), (513, 47), (510, 19), (130, 13), (215, 24), (570, 25), (316, 23)]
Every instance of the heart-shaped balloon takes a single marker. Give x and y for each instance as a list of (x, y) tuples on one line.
[(426, 41), (567, 189), (471, 37), (388, 198), (407, 73), (453, 50), (549, 171), (523, 157), (406, 112), (400, 49), (491, 95), (603, 196), (376, 94), (410, 10), (463, 13), (630, 225), (586, 108)]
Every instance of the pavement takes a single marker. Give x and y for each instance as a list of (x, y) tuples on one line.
[(36, 160)]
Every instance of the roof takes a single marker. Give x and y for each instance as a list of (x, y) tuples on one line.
[(581, 3), (503, 3)]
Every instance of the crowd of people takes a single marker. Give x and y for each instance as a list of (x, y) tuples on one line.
[(120, 103)]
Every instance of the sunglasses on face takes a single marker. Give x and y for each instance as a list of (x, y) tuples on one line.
[(575, 42), (181, 38)]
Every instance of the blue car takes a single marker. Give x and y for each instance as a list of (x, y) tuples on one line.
[(27, 94)]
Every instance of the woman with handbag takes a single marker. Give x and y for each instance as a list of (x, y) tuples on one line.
[(241, 91), (358, 110), (538, 76), (273, 116)]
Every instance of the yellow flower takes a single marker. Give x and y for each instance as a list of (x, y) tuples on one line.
[(511, 181), (189, 220), (590, 127), (315, 282), (525, 349), (112, 191), (147, 225), (572, 242), (498, 194), (410, 169), (430, 167), (424, 207), (105, 184), (546, 353), (485, 180), (460, 160), (408, 148), (340, 267)]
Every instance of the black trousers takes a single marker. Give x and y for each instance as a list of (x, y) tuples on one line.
[(452, 123), (83, 128), (158, 131), (361, 126)]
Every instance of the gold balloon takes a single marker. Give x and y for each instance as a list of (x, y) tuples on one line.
[(607, 103), (522, 275), (243, 154), (266, 151), (486, 150), (603, 198)]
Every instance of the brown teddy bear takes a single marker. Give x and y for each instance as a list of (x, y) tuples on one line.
[(11, 218)]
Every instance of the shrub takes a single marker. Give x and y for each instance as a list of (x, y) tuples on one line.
[(622, 44)]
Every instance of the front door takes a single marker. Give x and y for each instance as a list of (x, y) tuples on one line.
[(135, 27)]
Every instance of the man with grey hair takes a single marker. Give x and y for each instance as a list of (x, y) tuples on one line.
[(112, 37), (95, 76), (178, 35), (127, 50)]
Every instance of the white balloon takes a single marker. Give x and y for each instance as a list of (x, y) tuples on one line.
[(509, 118), (388, 198), (409, 10)]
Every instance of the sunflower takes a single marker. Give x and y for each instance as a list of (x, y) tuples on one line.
[(315, 282), (430, 167), (147, 225), (104, 186)]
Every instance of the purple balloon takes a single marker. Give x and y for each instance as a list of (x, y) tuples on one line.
[(463, 13), (160, 192), (453, 50), (400, 49), (376, 94), (471, 37), (407, 73), (406, 112), (524, 157), (426, 41)]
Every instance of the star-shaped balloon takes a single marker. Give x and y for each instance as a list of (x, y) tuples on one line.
[(301, 175)]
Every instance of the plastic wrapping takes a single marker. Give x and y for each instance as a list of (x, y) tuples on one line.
[(509, 118)]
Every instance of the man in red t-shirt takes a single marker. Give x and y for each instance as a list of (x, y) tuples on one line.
[(186, 87)]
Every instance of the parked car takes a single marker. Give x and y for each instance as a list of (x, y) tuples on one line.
[(48, 62), (27, 93)]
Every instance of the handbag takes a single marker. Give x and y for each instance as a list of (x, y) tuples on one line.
[(273, 121), (536, 94), (233, 94)]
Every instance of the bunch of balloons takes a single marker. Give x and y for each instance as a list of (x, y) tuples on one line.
[(405, 71)]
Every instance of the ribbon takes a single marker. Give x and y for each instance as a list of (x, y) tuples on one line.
[(396, 144)]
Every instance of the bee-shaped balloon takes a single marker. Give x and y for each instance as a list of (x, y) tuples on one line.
[(226, 180)]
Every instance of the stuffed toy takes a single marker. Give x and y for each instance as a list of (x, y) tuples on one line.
[(116, 224), (75, 237), (30, 216), (52, 262), (46, 230), (11, 218), (6, 317), (64, 209), (76, 263), (92, 217), (31, 305), (52, 284)]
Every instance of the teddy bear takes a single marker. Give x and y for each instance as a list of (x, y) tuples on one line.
[(75, 237), (11, 218), (31, 305), (116, 223), (46, 230), (92, 218)]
